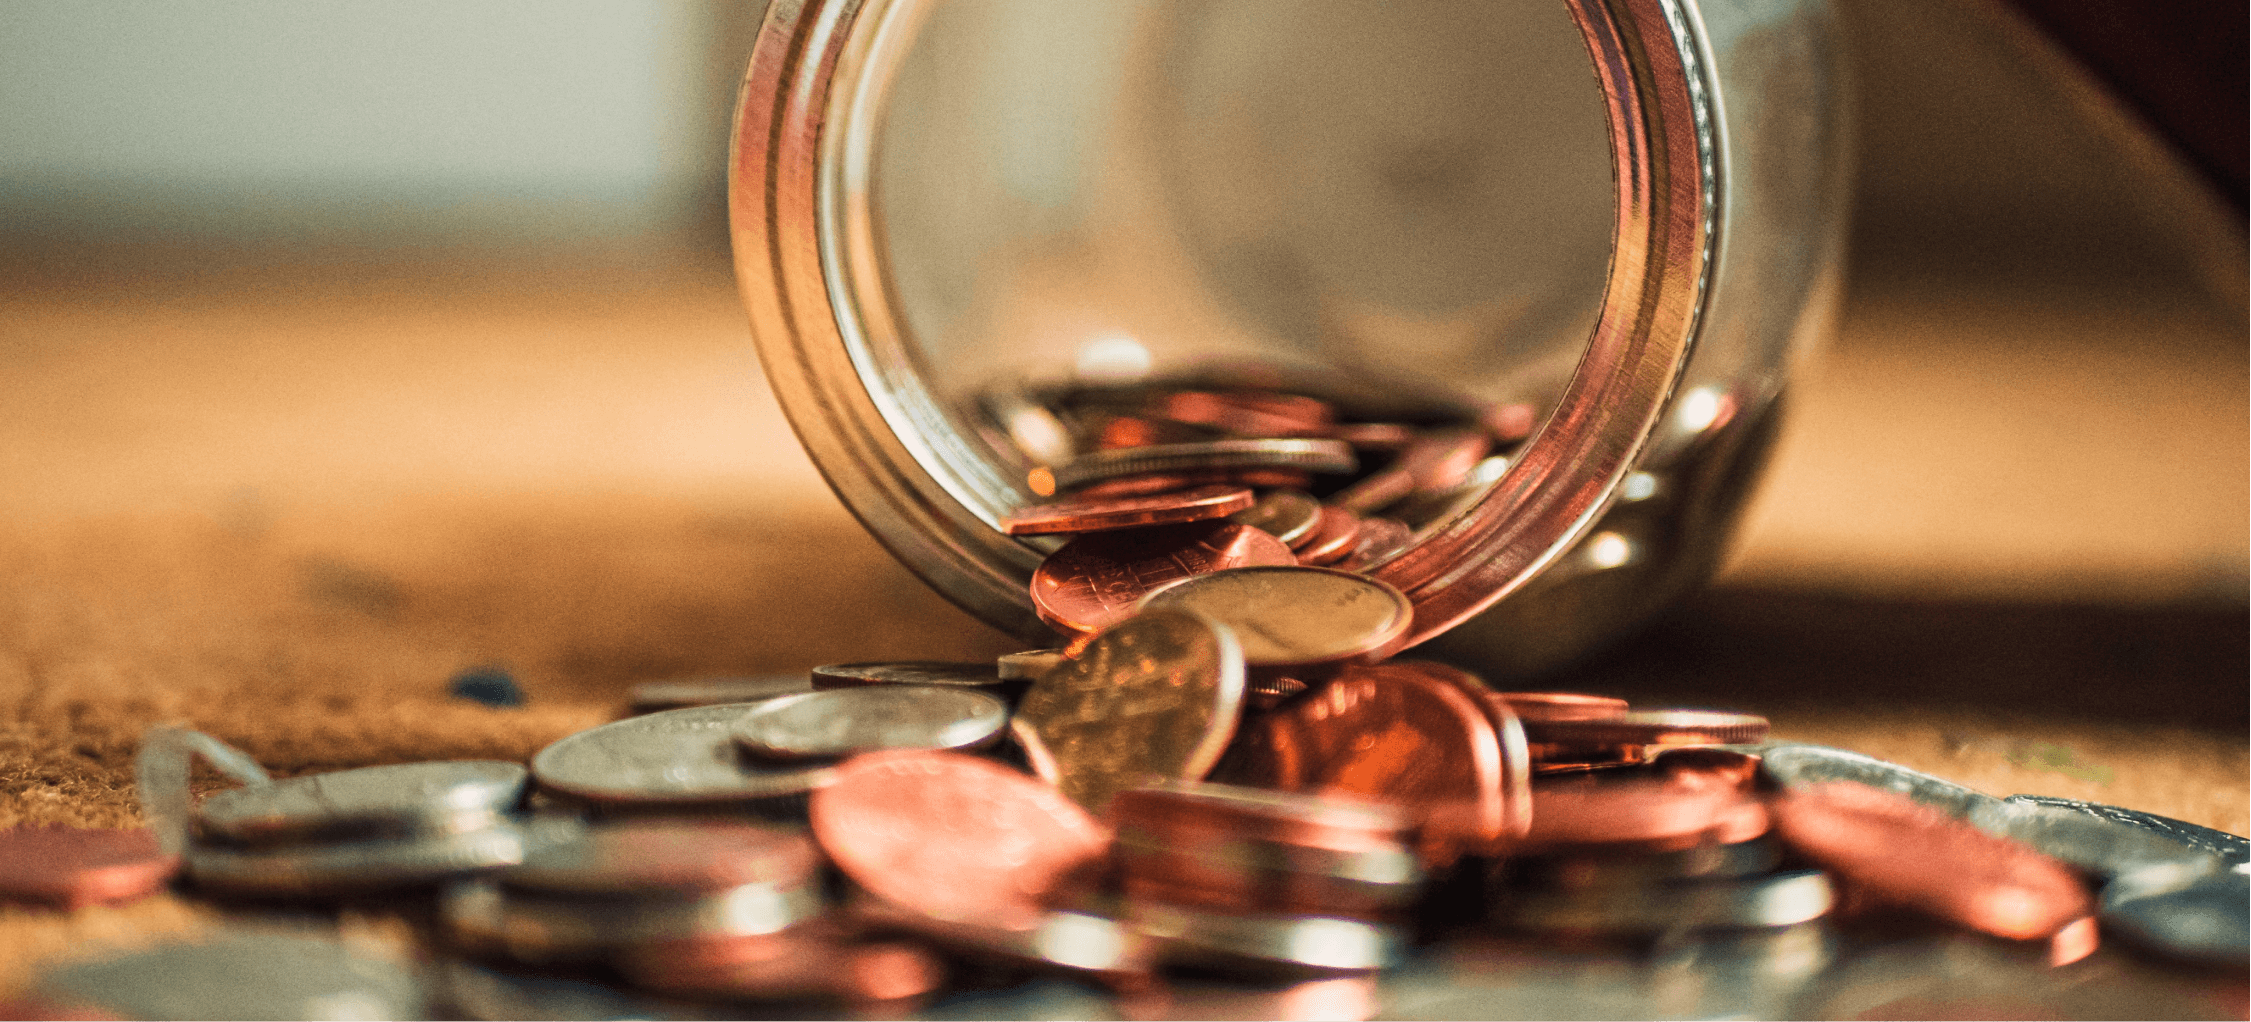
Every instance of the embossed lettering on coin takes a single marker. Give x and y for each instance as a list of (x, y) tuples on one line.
[(1096, 579)]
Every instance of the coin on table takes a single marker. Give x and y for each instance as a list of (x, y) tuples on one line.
[(1753, 902), (1531, 706), (77, 866), (1331, 538), (320, 869), (1296, 617), (2099, 844), (2204, 919), (955, 837), (1330, 456), (907, 672), (840, 722), (1073, 941), (1154, 698), (1028, 665), (1793, 765), (1903, 852), (1601, 868), (650, 857), (1649, 727), (448, 796), (677, 756), (238, 974), (2233, 849), (1376, 542), (1650, 814), (1286, 515), (1326, 943), (1096, 579), (650, 696), (1388, 736), (1097, 514), (1242, 849)]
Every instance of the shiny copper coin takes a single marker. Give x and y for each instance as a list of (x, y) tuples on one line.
[(1296, 617), (73, 867), (1516, 754), (1439, 460), (1242, 849), (1287, 515), (1544, 706), (1651, 727), (800, 963), (1378, 540), (1134, 431), (1330, 456), (1649, 814), (1721, 768), (1098, 514), (1897, 850), (955, 837), (1153, 699), (1148, 483), (1096, 579), (908, 672), (1387, 736), (1374, 436), (1332, 538), (1279, 415)]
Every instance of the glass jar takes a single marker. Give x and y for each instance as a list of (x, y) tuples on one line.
[(1612, 225)]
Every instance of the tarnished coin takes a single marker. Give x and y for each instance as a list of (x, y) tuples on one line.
[(1650, 727), (907, 672), (1795, 765), (1155, 698), (73, 866), (840, 722), (1097, 514), (1096, 580), (1330, 456), (450, 796), (1332, 537), (2205, 919), (1296, 617), (1287, 515), (2233, 849), (1315, 942), (1029, 665), (342, 867), (659, 857), (677, 756), (1781, 899), (650, 696), (1388, 736), (1902, 852), (242, 974), (1531, 706), (955, 837)]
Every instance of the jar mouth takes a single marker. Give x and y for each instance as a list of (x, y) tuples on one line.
[(933, 473)]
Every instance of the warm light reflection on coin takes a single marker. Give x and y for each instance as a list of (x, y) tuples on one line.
[(1287, 515), (1096, 580), (72, 866), (1296, 616), (1096, 514), (686, 755), (1155, 698), (843, 721), (1531, 706)]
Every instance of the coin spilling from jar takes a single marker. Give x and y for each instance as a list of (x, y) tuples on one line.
[(1221, 793)]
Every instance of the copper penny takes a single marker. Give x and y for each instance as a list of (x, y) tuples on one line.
[(1378, 540), (1095, 514), (1652, 814), (1287, 515), (1516, 753), (1374, 436), (1437, 461), (1544, 706), (955, 837), (1134, 431), (1249, 415), (1651, 727), (1332, 538), (73, 867), (1096, 579), (1894, 849), (1241, 849), (644, 857), (1296, 617), (1330, 456), (1509, 423), (1388, 736)]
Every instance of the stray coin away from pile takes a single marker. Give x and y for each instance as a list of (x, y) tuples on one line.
[(1222, 793)]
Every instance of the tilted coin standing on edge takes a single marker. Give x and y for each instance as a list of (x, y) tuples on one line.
[(77, 866), (1296, 617), (677, 756), (1793, 764), (1155, 698), (319, 869), (840, 722)]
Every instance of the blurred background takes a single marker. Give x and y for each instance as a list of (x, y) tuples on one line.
[(348, 346)]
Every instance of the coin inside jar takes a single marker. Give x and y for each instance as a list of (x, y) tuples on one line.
[(1313, 455), (1296, 616), (907, 672), (1096, 579), (1287, 515), (840, 722), (1096, 514), (638, 857), (676, 756), (1154, 698), (405, 798)]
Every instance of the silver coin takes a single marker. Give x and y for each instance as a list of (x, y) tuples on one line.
[(1068, 940), (2098, 844), (2230, 848), (543, 928), (650, 696), (908, 672), (678, 857), (318, 870), (1318, 942), (2206, 918), (242, 975), (1793, 764), (1287, 515), (404, 799), (676, 756), (1781, 899), (1325, 456), (840, 722), (1029, 665)]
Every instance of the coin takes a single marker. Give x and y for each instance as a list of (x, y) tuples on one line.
[(1436, 461), (1296, 617), (1329, 456), (840, 722), (1654, 814), (2207, 919), (677, 756), (1794, 764), (1388, 736), (1074, 941), (1374, 436), (448, 796), (1028, 665), (1096, 579), (1250, 415), (534, 927), (1377, 540), (1237, 849), (1532, 706), (1142, 484), (954, 837), (1095, 514), (645, 857), (1781, 899), (1119, 431), (74, 866), (160, 775), (1650, 727), (1516, 753), (1287, 515), (242, 974), (650, 696), (1332, 537), (806, 963), (1316, 942), (907, 672), (1153, 698), (1603, 868), (340, 867), (2229, 848), (1902, 852)]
